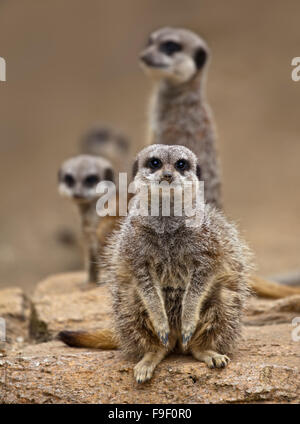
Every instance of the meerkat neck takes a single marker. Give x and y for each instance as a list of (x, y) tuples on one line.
[(169, 98), (177, 110), (88, 214), (188, 91)]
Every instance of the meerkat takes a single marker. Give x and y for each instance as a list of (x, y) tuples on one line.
[(177, 282), (108, 143), (176, 59), (78, 178)]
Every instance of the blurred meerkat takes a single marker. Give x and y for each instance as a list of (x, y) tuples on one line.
[(78, 178), (108, 143), (176, 59), (177, 282)]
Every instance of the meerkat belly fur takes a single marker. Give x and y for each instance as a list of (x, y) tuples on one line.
[(176, 286), (176, 59)]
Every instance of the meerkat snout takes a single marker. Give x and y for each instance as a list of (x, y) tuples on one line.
[(167, 175), (174, 54)]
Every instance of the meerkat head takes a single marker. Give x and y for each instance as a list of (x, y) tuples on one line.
[(79, 176), (104, 141), (174, 54), (173, 164), (166, 184)]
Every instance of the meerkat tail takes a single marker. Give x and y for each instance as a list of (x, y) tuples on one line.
[(96, 339), (271, 289)]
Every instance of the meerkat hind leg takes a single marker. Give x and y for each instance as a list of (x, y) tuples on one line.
[(144, 368), (211, 358)]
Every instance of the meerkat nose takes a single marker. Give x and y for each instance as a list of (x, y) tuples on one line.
[(77, 196), (147, 59), (168, 176)]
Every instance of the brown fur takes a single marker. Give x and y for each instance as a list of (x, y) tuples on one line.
[(100, 339), (175, 287), (271, 289), (179, 114), (95, 229)]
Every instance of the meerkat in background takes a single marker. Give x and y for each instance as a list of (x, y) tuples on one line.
[(78, 178), (176, 282), (176, 59), (108, 143)]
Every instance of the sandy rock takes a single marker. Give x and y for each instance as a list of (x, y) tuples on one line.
[(264, 370), (64, 301), (263, 312)]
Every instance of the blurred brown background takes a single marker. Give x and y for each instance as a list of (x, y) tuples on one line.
[(71, 63)]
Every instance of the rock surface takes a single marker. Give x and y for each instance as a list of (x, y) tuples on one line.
[(65, 301), (265, 368)]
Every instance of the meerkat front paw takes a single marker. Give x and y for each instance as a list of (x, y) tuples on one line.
[(211, 358), (187, 333), (164, 337), (163, 332)]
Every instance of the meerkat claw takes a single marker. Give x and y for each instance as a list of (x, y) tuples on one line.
[(186, 338), (219, 361), (164, 338)]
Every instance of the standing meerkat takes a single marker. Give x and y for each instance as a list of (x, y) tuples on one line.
[(78, 178), (176, 59), (177, 282)]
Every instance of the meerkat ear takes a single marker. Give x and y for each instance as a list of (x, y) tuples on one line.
[(200, 57), (198, 172), (109, 175), (135, 168)]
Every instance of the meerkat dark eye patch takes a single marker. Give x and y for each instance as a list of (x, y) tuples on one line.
[(91, 180), (109, 175), (69, 180), (200, 57), (170, 47), (135, 168), (154, 164), (182, 165), (199, 172), (102, 136)]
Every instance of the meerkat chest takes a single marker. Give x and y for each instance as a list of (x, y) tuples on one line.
[(172, 267)]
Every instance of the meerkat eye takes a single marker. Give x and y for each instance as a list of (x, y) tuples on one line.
[(154, 163), (91, 180), (69, 180), (182, 165), (170, 47)]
